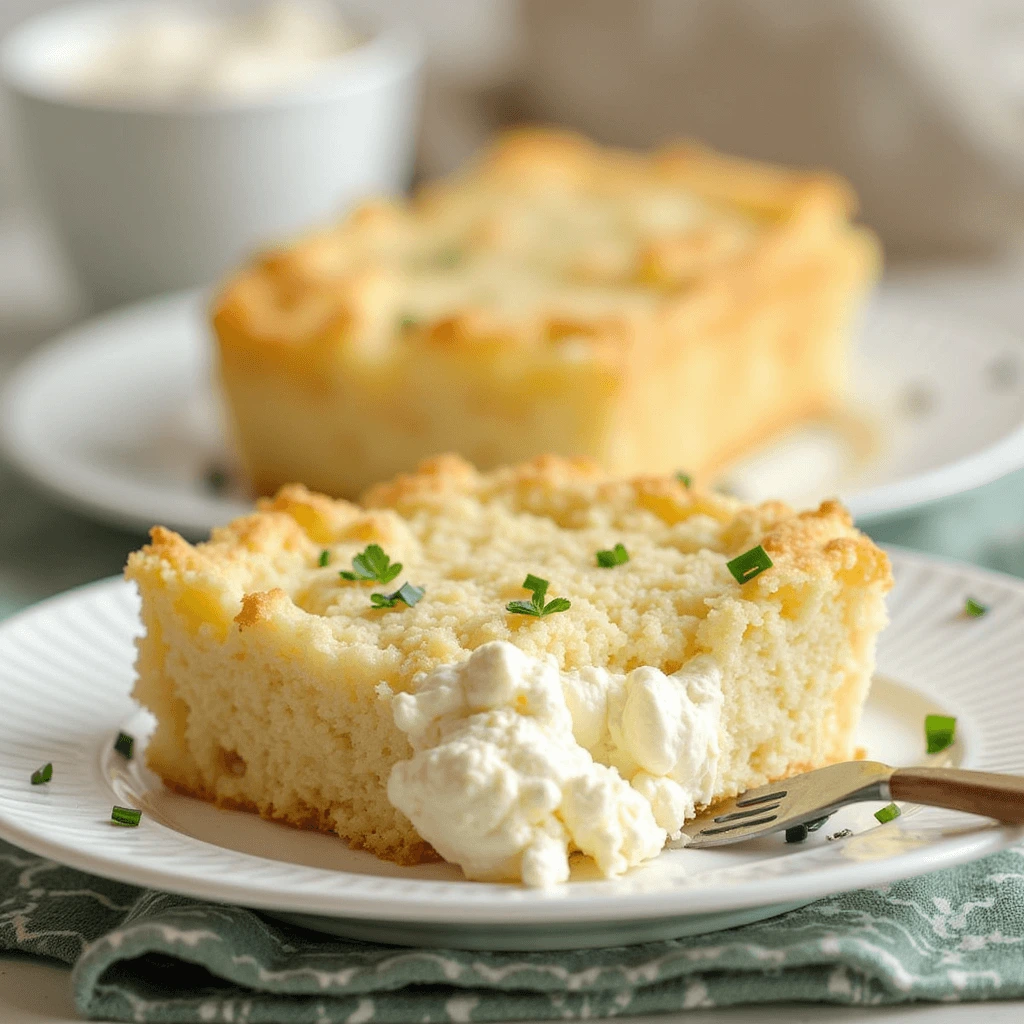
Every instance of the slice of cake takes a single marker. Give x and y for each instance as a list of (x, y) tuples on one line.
[(504, 667), (649, 311)]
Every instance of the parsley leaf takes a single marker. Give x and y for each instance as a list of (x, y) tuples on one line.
[(372, 564), (609, 559), (536, 606), (685, 479), (407, 593)]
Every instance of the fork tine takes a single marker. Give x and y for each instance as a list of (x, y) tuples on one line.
[(750, 802), (746, 800), (736, 827), (737, 815), (798, 800)]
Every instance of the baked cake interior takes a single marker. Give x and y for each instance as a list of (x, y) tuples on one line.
[(263, 667)]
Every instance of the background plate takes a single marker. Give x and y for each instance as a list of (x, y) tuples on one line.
[(65, 675), (118, 417)]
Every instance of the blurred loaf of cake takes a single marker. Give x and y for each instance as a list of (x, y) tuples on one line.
[(652, 311)]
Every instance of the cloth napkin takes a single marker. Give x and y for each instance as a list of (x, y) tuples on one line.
[(149, 956)]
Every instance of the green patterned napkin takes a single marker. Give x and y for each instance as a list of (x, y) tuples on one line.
[(149, 956)]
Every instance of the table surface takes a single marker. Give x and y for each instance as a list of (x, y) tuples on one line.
[(45, 549)]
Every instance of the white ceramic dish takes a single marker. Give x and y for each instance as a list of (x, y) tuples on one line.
[(152, 197), (65, 675), (118, 417)]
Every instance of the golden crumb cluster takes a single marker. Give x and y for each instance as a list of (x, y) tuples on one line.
[(262, 665), (651, 311)]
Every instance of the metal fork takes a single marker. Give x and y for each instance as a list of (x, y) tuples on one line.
[(813, 796)]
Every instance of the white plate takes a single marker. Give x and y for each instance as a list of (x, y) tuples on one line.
[(119, 418), (65, 674)]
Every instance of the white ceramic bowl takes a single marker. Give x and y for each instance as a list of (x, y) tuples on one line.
[(151, 198)]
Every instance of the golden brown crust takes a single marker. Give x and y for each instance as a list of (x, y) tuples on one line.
[(260, 607), (647, 310), (808, 543), (297, 305)]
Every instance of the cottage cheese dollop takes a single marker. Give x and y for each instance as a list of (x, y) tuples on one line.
[(516, 764), (167, 54)]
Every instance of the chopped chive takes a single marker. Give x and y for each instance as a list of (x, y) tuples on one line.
[(325, 558), (449, 257), (887, 813), (939, 731), (372, 564), (843, 833), (750, 564), (129, 817), (125, 745), (685, 479), (974, 609), (216, 479), (407, 322), (407, 593), (43, 775), (536, 606), (609, 559)]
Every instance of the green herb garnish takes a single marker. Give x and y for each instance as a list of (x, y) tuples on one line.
[(125, 745), (887, 813), (537, 607), (609, 559), (43, 775), (974, 609), (750, 564), (449, 257), (938, 732), (324, 559), (129, 817), (407, 322), (372, 564), (685, 479), (216, 479), (406, 593)]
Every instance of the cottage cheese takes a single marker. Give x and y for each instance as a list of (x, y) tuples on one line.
[(180, 53), (517, 764)]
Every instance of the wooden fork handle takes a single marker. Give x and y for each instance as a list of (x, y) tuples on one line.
[(996, 796)]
